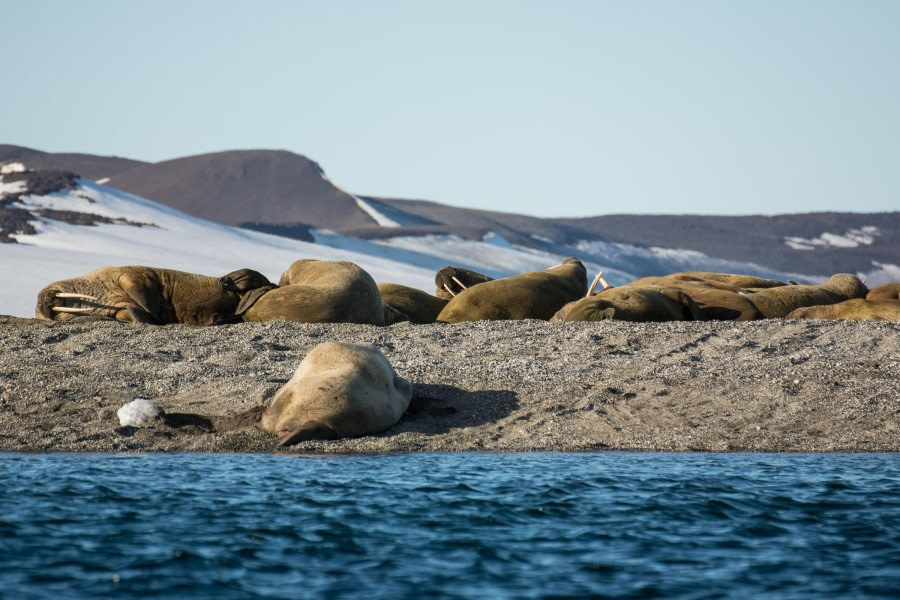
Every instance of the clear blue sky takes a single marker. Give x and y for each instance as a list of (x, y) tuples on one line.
[(551, 108)]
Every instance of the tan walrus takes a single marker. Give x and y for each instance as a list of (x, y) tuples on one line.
[(636, 304), (533, 295), (319, 291), (858, 309), (140, 294), (778, 302), (339, 390), (885, 291), (419, 306)]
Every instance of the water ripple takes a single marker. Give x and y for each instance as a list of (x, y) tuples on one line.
[(617, 525)]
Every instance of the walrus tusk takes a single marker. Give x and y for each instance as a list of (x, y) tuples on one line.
[(449, 291), (461, 284), (74, 295), (594, 284), (604, 283), (69, 309)]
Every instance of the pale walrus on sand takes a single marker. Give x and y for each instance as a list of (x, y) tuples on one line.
[(140, 294), (339, 390), (533, 295), (319, 291)]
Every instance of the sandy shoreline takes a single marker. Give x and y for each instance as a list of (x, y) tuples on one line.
[(787, 386)]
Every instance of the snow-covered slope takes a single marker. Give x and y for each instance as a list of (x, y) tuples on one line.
[(141, 232)]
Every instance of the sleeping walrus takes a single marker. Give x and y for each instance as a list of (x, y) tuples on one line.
[(636, 304), (319, 291), (419, 306), (533, 295), (140, 294), (885, 291), (858, 309), (778, 302), (339, 390)]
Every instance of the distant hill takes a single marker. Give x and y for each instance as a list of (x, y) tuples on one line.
[(269, 187), (287, 194), (88, 166)]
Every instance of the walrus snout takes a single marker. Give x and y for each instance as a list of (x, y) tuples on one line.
[(243, 280), (46, 302)]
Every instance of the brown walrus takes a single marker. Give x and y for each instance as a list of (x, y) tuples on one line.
[(140, 294), (636, 304), (450, 281), (533, 295), (339, 390), (885, 291), (717, 300), (319, 291), (735, 279), (419, 306), (778, 302), (858, 309)]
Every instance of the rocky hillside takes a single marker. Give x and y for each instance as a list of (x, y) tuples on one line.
[(287, 194)]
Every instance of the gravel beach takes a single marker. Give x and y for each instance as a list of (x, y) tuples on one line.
[(767, 386)]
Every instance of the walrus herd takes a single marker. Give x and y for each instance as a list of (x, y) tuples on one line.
[(341, 390)]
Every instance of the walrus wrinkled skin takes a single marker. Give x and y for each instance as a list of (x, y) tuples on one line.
[(339, 390), (636, 304), (320, 291), (419, 306), (858, 309), (735, 279), (717, 300), (778, 302), (885, 291), (139, 294), (450, 281), (533, 295)]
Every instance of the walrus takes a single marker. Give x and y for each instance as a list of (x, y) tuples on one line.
[(778, 302), (636, 304), (719, 301), (858, 309), (419, 306), (533, 295), (885, 291), (735, 279), (450, 281), (319, 291), (338, 390), (140, 294)]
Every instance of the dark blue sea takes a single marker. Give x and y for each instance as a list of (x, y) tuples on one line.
[(545, 525)]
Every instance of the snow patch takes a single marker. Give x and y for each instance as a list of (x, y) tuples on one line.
[(380, 218), (495, 239), (864, 236), (882, 273), (14, 167)]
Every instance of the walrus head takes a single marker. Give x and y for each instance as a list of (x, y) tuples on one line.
[(72, 298), (844, 284), (244, 280)]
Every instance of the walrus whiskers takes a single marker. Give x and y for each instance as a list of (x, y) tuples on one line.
[(70, 309), (458, 282), (449, 291), (74, 295)]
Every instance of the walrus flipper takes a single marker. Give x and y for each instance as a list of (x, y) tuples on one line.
[(145, 292), (311, 430), (248, 299)]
